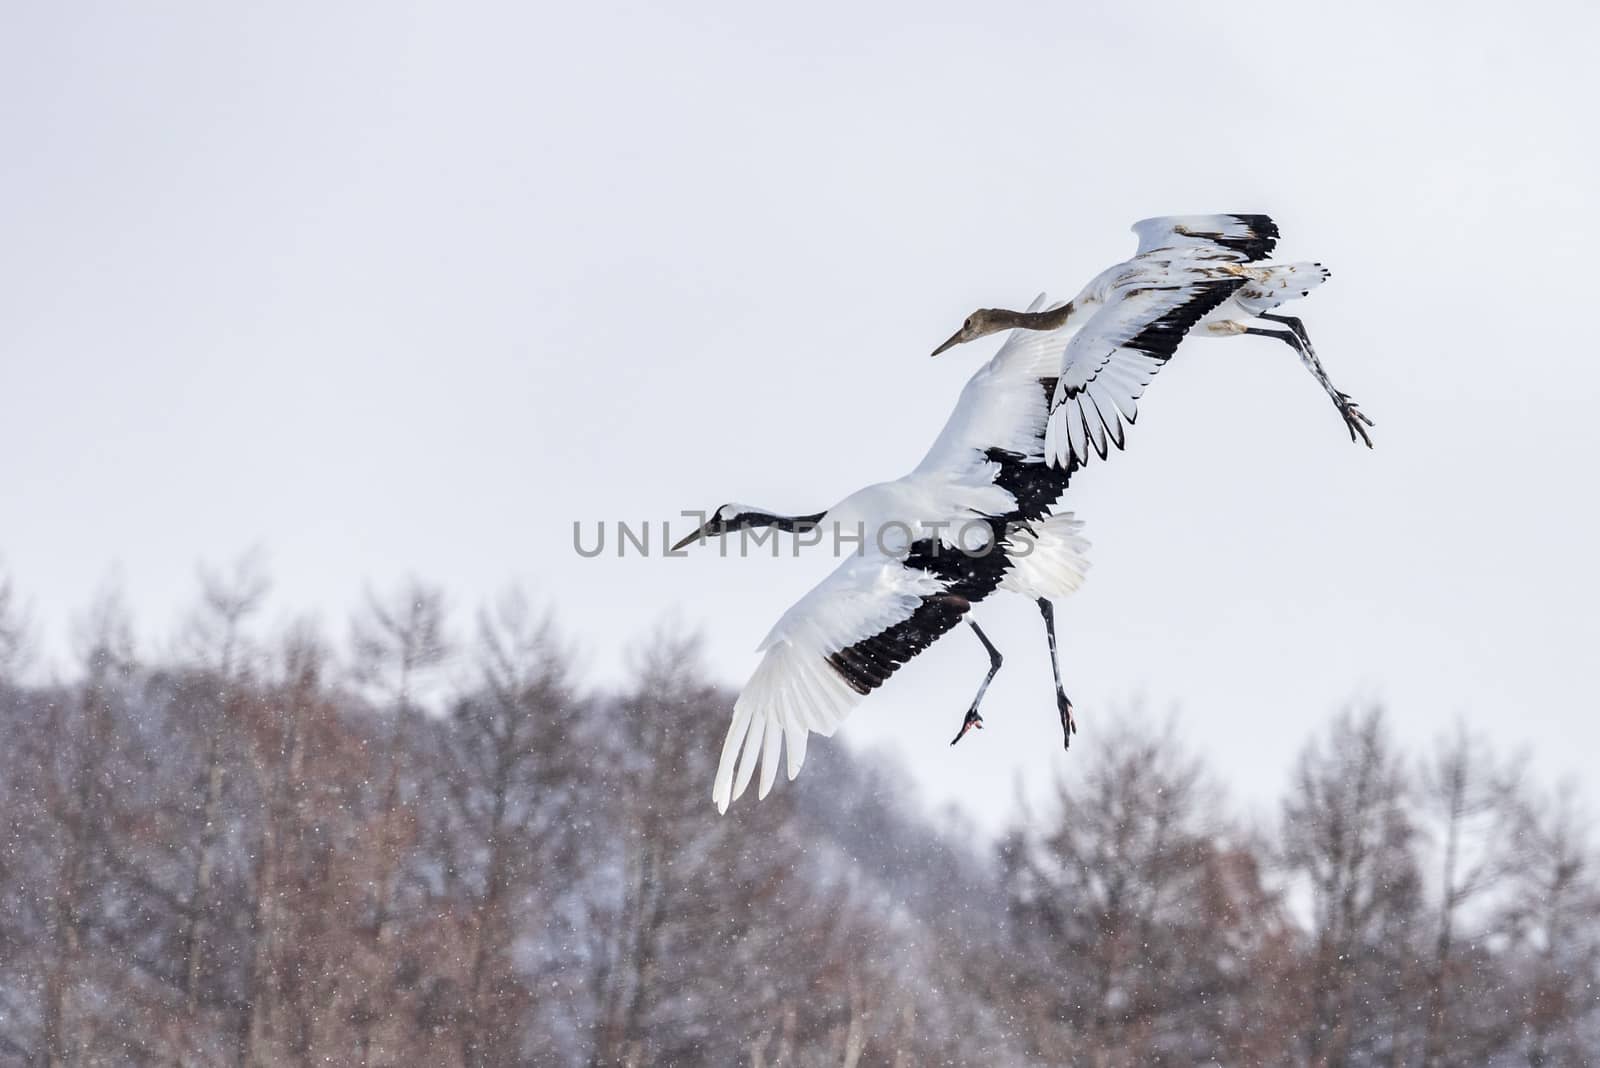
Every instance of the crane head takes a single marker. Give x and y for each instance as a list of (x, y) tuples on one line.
[(982, 322), (718, 522)]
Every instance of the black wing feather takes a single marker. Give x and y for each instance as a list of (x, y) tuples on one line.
[(969, 578)]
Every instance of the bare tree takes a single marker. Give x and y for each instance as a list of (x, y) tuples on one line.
[(214, 633), (21, 819), (215, 636), (312, 961), (284, 982), (398, 640), (77, 786), (1125, 904), (506, 774), (15, 632), (648, 821), (688, 900), (1468, 801), (398, 643), (1347, 832), (1553, 915)]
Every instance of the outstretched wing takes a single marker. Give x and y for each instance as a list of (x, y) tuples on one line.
[(839, 642), (1108, 363), (1241, 238)]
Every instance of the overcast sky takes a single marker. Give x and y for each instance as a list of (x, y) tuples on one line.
[(388, 289)]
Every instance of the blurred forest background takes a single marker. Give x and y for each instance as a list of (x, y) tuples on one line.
[(435, 843)]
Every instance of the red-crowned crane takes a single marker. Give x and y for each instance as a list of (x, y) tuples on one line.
[(1132, 316)]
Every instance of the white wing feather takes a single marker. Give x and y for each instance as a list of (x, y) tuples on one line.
[(1108, 363), (794, 690), (1241, 238)]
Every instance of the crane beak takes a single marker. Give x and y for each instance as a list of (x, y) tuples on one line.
[(705, 530), (955, 339), (696, 536)]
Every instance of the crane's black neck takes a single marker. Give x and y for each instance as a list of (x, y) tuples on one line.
[(789, 523)]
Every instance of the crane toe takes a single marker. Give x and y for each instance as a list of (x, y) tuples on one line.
[(1069, 725), (971, 722)]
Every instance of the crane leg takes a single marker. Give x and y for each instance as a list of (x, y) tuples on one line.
[(1296, 338), (995, 660), (1069, 726), (1293, 323)]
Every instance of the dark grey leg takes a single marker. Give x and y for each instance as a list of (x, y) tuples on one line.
[(1293, 323), (1295, 338), (1069, 726), (995, 660)]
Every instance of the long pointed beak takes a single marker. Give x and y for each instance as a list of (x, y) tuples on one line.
[(955, 339), (699, 534)]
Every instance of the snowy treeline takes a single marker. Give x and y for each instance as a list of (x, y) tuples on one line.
[(433, 845)]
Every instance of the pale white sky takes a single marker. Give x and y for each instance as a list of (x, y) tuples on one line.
[(388, 288)]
